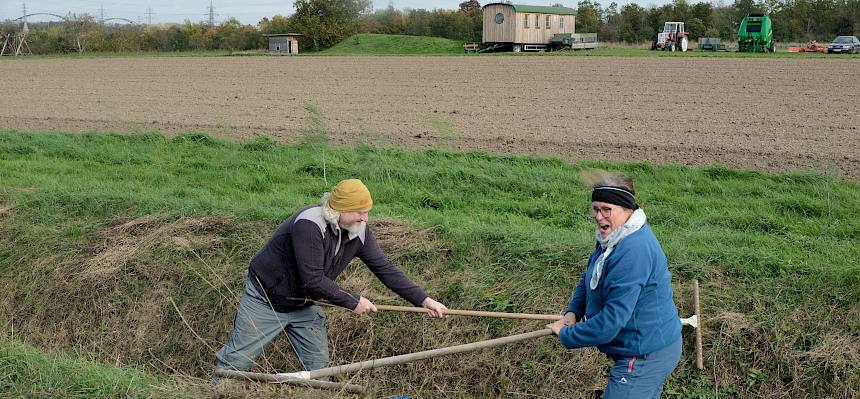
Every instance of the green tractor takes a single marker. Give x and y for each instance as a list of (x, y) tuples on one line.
[(756, 34)]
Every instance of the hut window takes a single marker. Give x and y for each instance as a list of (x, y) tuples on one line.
[(537, 21), (547, 22), (526, 21), (561, 23)]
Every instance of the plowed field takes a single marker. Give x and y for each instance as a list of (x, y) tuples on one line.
[(764, 113)]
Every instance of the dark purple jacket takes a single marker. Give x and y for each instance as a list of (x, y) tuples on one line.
[(305, 255)]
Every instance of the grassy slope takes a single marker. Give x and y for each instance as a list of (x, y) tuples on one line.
[(377, 44), (26, 372), (776, 255)]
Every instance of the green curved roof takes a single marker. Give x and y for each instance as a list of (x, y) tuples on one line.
[(538, 9)]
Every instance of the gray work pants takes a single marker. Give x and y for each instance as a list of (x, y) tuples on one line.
[(642, 377), (256, 325)]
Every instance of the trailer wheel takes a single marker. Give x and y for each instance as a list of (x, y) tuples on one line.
[(518, 48)]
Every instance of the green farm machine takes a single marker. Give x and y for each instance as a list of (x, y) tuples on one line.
[(755, 34)]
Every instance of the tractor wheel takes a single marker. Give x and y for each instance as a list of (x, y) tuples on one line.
[(683, 46), (671, 47)]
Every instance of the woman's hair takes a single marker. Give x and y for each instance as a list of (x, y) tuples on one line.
[(603, 178)]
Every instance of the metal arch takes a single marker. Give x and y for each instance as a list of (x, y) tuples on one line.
[(119, 19), (42, 13)]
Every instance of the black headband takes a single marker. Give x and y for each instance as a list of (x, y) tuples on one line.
[(614, 195)]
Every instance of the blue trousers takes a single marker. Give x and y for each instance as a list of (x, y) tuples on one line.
[(256, 326), (642, 377)]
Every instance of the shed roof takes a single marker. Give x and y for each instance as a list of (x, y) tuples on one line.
[(282, 34), (538, 9)]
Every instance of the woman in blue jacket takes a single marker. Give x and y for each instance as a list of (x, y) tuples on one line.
[(623, 303)]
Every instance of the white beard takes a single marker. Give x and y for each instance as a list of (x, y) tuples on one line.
[(355, 228)]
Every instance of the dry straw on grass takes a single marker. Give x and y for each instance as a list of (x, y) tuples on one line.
[(124, 241), (5, 208), (838, 352)]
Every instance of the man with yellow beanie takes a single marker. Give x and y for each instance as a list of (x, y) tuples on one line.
[(300, 263)]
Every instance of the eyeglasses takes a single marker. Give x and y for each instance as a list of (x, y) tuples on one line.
[(604, 210)]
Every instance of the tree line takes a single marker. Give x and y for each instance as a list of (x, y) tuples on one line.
[(793, 20), (85, 34), (324, 23)]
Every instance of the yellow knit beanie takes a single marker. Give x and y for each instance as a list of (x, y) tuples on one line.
[(350, 195)]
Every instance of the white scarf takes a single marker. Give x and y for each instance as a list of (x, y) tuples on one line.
[(634, 223)]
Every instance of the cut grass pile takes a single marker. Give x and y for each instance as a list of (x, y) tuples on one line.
[(131, 249)]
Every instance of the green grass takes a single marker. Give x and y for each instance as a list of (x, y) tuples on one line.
[(377, 44), (776, 255), (26, 372)]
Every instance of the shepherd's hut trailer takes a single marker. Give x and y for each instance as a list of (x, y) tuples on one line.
[(529, 28), (283, 43)]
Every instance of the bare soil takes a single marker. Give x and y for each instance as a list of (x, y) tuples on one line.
[(763, 113)]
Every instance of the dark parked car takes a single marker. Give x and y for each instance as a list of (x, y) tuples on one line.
[(844, 44)]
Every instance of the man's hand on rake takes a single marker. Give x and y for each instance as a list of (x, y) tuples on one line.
[(436, 309)]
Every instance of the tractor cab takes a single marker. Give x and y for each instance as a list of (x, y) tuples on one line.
[(673, 27)]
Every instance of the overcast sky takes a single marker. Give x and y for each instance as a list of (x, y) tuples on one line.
[(248, 12)]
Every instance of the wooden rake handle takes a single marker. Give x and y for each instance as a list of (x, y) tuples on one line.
[(476, 313), (700, 364), (309, 378), (282, 379), (411, 357), (690, 321)]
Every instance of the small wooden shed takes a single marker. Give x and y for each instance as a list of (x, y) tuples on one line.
[(284, 43), (523, 26)]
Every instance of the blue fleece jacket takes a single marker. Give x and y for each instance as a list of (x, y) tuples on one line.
[(631, 312)]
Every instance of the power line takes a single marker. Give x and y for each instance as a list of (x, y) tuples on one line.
[(211, 13), (24, 6), (149, 15)]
